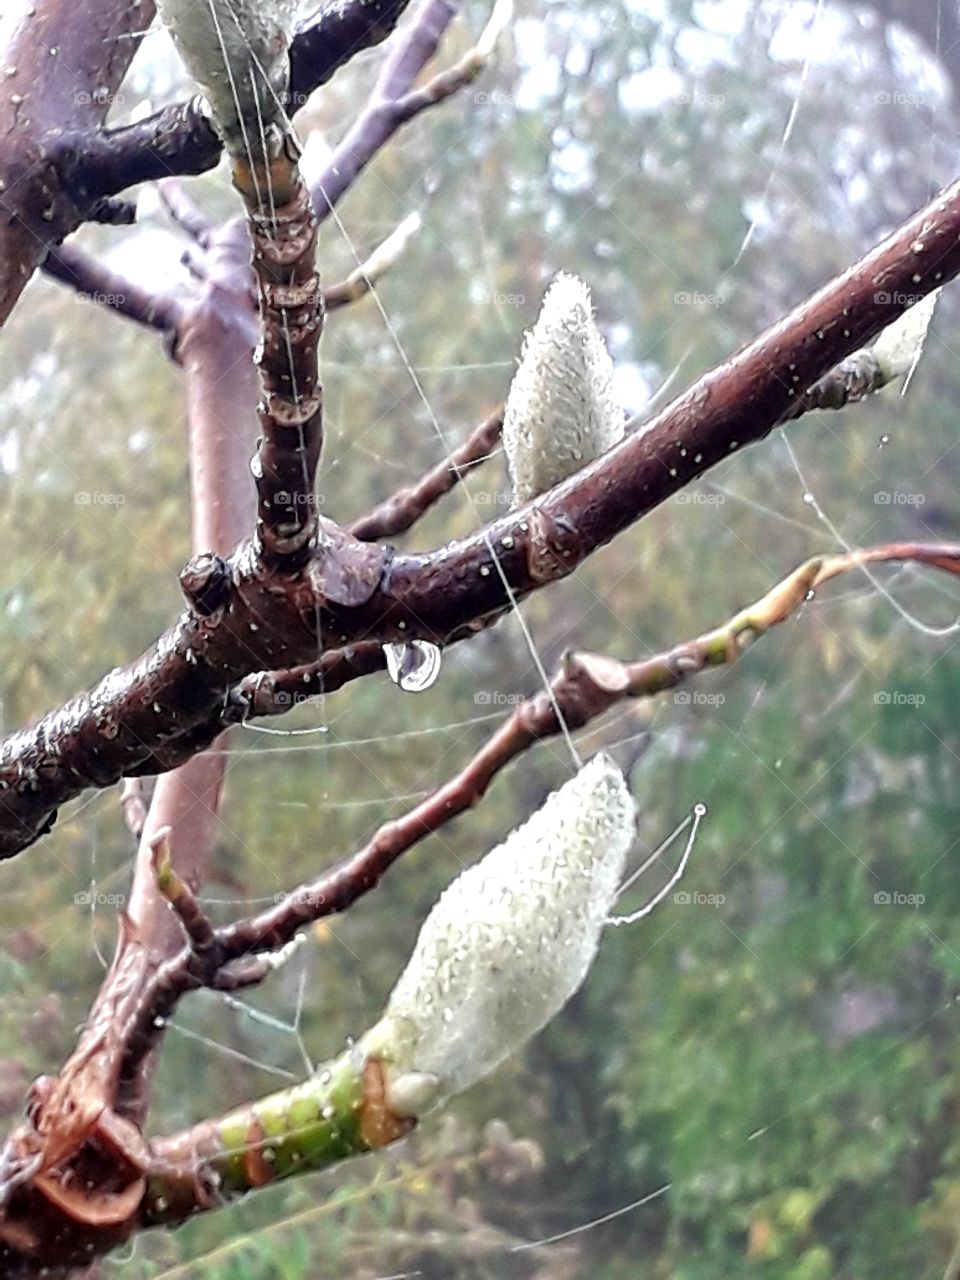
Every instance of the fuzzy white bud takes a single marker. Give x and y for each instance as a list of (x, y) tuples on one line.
[(900, 345), (507, 944), (561, 411), (236, 50)]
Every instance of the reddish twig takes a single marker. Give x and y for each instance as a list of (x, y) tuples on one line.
[(393, 101), (97, 283), (405, 507), (184, 212)]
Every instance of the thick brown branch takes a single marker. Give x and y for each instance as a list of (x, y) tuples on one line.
[(405, 507), (243, 620), (63, 64), (283, 229)]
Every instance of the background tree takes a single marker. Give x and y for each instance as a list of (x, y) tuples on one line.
[(635, 150)]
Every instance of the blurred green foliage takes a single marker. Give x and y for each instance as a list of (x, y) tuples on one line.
[(781, 1047)]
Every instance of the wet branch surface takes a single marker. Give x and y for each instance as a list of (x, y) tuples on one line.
[(242, 618)]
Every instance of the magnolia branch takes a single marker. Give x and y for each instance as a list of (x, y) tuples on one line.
[(241, 620), (403, 509), (94, 281), (179, 139), (394, 101), (585, 688)]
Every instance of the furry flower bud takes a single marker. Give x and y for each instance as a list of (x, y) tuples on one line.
[(561, 412), (507, 944)]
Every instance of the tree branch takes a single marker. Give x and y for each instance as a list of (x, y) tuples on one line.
[(179, 139), (404, 508), (63, 65), (95, 281), (338, 1112), (394, 101), (184, 212), (241, 620)]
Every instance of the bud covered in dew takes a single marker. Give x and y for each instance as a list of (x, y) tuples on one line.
[(507, 944), (236, 50), (561, 412), (900, 345)]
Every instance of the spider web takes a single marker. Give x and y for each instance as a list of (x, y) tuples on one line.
[(337, 728)]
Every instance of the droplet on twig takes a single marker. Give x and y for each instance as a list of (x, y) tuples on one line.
[(414, 666)]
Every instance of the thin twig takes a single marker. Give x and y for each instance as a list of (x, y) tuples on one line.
[(394, 100), (404, 508), (187, 215), (98, 283)]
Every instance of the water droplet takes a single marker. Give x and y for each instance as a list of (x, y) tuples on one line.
[(884, 439), (414, 666), (809, 499)]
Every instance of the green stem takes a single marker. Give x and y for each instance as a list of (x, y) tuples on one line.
[(338, 1112)]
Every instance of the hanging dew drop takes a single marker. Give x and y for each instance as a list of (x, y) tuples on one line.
[(413, 667), (809, 499)]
